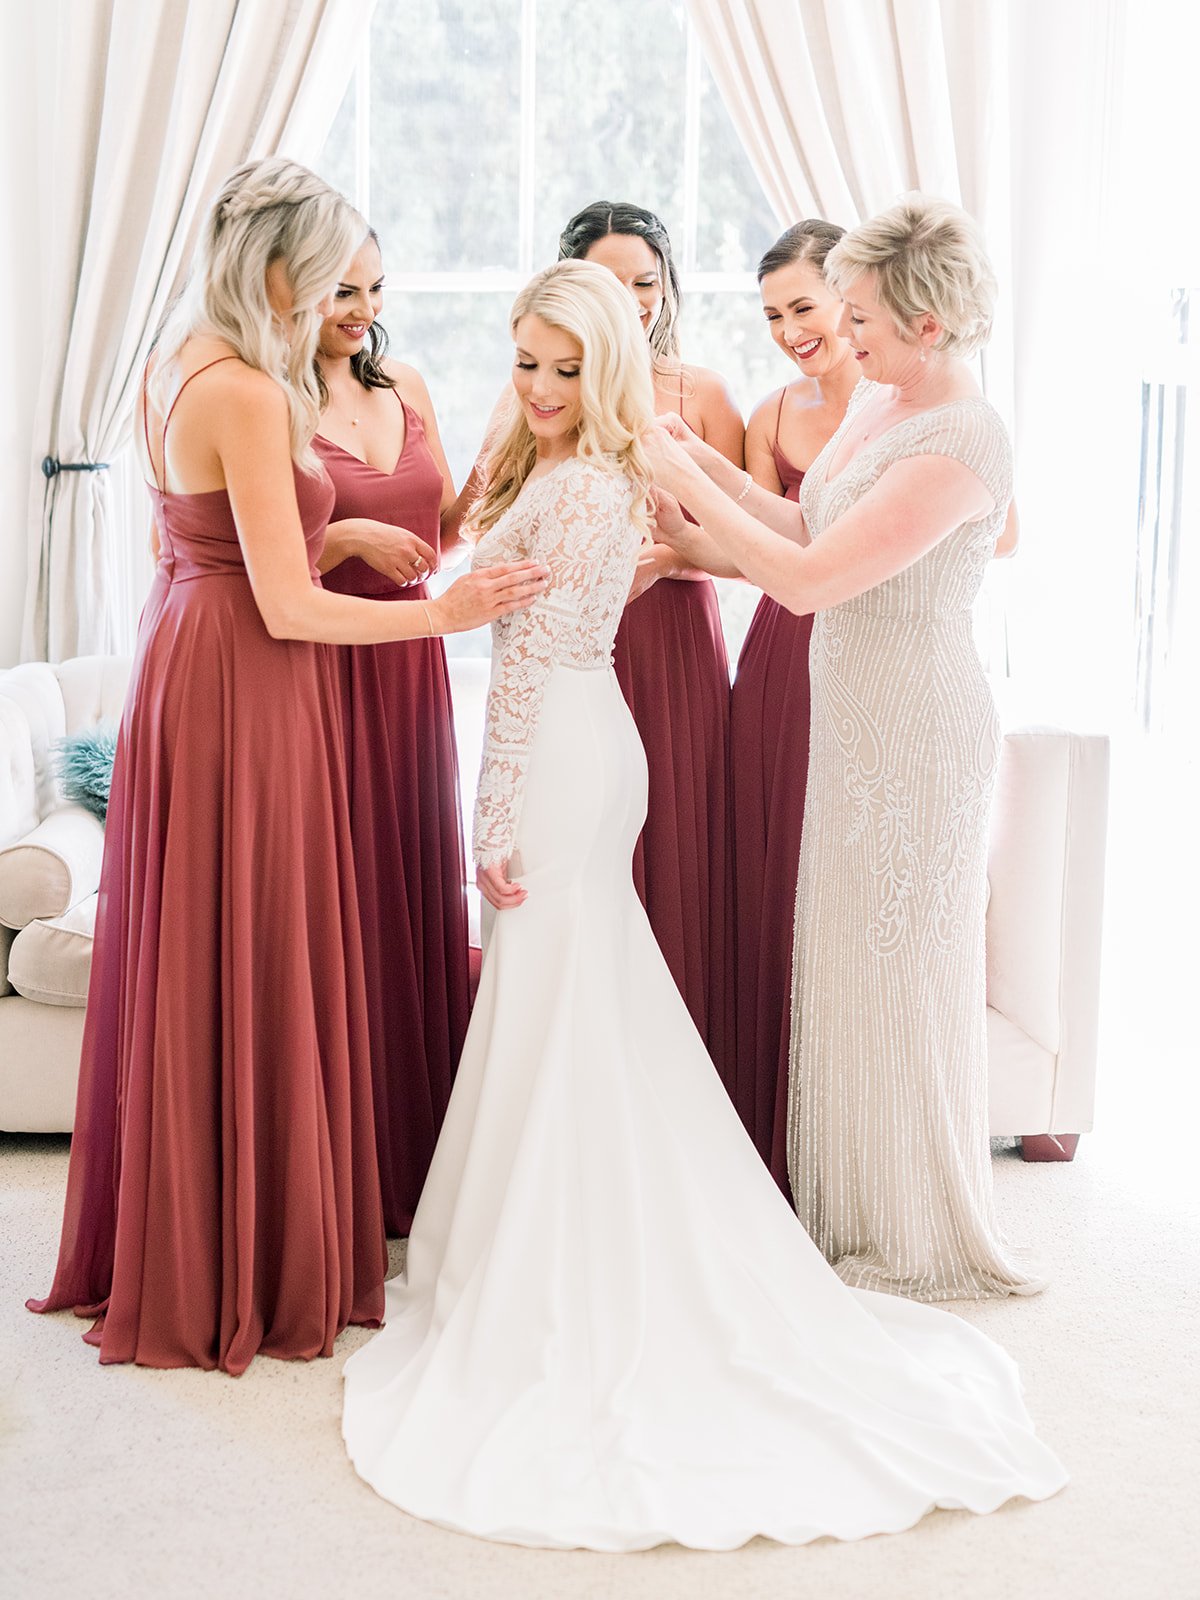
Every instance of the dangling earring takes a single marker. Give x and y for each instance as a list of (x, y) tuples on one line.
[(922, 355)]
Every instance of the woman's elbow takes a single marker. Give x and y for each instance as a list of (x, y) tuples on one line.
[(283, 620)]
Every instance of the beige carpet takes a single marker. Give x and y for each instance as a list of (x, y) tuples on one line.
[(120, 1481), (125, 1482)]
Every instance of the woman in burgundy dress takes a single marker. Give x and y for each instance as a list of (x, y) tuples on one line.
[(770, 710), (395, 513), (670, 656), (223, 1196)]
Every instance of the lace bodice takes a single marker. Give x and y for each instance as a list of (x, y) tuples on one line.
[(577, 521), (946, 579)]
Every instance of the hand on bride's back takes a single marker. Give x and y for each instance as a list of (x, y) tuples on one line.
[(491, 592)]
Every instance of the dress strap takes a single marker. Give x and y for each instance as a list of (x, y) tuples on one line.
[(681, 391), (779, 413), (162, 487)]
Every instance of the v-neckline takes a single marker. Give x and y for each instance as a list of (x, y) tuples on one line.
[(370, 465)]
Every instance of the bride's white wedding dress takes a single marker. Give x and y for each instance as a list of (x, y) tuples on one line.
[(613, 1331)]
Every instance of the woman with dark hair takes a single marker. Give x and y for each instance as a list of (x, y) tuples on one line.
[(670, 653), (770, 705), (396, 509)]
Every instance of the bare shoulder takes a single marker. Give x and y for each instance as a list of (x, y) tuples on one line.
[(410, 385), (762, 418), (248, 389), (709, 387)]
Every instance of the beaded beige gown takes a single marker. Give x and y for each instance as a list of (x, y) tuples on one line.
[(887, 1117)]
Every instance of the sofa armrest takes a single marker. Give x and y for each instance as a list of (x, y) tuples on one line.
[(52, 868)]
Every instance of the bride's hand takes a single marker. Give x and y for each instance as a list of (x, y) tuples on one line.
[(483, 596), (495, 888)]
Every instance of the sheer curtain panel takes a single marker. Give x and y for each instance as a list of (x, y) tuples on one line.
[(147, 107)]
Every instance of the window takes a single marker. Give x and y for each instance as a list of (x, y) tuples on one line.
[(468, 137)]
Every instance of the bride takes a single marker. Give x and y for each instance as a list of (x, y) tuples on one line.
[(612, 1331)]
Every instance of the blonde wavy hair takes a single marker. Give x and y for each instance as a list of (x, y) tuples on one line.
[(928, 257), (267, 211), (586, 302)]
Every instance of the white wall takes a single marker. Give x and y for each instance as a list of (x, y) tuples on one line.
[(24, 192)]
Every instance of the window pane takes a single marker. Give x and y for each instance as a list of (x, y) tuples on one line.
[(735, 222), (609, 112), (336, 164), (728, 332), (460, 345), (445, 123)]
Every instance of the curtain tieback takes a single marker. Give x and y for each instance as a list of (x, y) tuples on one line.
[(51, 466)]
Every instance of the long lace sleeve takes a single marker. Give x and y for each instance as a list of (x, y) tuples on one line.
[(580, 529)]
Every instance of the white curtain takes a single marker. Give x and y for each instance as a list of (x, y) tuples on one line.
[(1006, 107), (842, 105), (144, 110)]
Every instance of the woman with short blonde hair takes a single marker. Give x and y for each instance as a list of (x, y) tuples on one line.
[(899, 517), (925, 256)]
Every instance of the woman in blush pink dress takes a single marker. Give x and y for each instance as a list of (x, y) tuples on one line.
[(770, 704), (670, 655), (223, 1195), (395, 514)]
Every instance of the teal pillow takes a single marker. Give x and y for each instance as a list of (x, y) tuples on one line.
[(84, 763)]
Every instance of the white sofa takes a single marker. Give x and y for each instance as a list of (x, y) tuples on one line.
[(1043, 935)]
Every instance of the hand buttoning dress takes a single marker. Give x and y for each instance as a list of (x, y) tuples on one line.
[(613, 1332), (888, 1141)]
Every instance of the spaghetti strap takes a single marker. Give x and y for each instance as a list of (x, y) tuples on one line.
[(162, 487), (779, 413), (681, 391)]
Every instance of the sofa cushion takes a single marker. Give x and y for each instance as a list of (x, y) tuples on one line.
[(52, 868), (34, 688), (18, 780), (92, 688), (50, 961)]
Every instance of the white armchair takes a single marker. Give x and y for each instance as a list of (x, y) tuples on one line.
[(1046, 877)]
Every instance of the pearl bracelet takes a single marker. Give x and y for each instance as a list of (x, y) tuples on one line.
[(745, 490)]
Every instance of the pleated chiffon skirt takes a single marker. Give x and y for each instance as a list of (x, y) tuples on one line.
[(671, 664), (406, 826), (769, 730), (223, 1197)]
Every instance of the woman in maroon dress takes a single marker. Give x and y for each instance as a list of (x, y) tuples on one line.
[(670, 656), (395, 513), (770, 710), (223, 1196)]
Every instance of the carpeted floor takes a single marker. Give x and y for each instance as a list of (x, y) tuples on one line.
[(123, 1482)]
